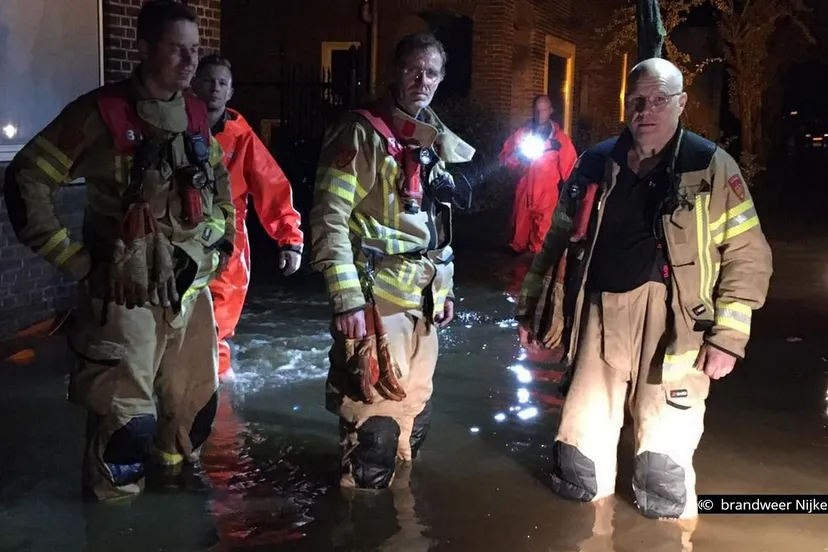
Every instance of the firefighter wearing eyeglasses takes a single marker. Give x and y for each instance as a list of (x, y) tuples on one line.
[(674, 263), (381, 235)]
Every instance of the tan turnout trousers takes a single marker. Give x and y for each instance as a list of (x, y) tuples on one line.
[(619, 363), (414, 346), (122, 367)]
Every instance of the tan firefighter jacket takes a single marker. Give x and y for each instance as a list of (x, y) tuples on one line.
[(361, 235), (78, 144), (720, 261)]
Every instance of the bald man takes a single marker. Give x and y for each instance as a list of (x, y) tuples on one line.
[(674, 263), (544, 156)]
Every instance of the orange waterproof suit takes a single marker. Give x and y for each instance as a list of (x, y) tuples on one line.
[(253, 172), (538, 189)]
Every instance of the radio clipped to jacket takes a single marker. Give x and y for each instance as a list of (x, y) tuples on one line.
[(192, 179)]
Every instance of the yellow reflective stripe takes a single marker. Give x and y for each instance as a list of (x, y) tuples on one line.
[(168, 458), (734, 222), (341, 277), (52, 150), (43, 165), (216, 153), (391, 296), (677, 366), (203, 281), (734, 315), (67, 253), (399, 283), (54, 241), (703, 242), (389, 174), (339, 183)]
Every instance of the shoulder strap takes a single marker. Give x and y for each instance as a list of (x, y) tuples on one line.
[(198, 121), (117, 109), (380, 123)]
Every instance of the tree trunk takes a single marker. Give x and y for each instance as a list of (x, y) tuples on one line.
[(651, 31)]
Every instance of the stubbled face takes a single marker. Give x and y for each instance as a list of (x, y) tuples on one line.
[(172, 62), (214, 85), (419, 77), (542, 112), (653, 108)]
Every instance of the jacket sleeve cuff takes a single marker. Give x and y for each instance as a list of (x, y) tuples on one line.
[(78, 265), (344, 288), (292, 247), (726, 343)]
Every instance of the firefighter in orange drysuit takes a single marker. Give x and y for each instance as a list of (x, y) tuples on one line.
[(253, 171), (545, 156)]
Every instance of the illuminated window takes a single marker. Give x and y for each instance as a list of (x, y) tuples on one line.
[(623, 94), (51, 53), (559, 72)]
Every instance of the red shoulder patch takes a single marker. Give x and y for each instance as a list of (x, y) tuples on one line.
[(738, 187), (345, 158)]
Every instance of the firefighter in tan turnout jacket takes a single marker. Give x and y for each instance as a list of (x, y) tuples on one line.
[(159, 221), (381, 233), (675, 262)]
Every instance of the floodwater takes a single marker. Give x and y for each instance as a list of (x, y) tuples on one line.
[(271, 463)]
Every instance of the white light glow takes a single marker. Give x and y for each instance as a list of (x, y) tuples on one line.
[(523, 375), (528, 413), (10, 131), (474, 429), (532, 146), (500, 417), (523, 396)]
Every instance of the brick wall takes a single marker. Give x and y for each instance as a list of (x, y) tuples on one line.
[(120, 16), (30, 289), (598, 80)]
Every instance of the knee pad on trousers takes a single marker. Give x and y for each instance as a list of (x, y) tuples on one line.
[(203, 422), (420, 429), (659, 486), (373, 460), (128, 449), (573, 475)]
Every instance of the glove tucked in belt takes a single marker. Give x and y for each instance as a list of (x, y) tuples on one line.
[(369, 363)]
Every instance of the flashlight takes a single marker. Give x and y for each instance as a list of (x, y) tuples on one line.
[(532, 146)]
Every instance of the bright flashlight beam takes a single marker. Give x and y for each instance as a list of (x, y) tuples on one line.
[(532, 146)]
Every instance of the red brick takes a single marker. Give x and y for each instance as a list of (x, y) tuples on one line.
[(120, 18)]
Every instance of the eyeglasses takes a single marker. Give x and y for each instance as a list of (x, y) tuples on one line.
[(639, 103), (426, 74)]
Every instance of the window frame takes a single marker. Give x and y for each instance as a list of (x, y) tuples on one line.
[(7, 152)]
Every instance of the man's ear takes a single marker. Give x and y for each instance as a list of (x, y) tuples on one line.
[(143, 50)]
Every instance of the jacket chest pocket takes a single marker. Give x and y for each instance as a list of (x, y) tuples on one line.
[(680, 233)]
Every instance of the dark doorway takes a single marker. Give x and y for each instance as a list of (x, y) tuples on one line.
[(455, 32), (345, 73), (555, 82)]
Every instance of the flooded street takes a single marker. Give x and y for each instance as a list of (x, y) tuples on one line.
[(478, 485)]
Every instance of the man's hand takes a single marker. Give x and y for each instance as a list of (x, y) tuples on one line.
[(714, 362), (527, 339), (351, 325), (224, 260), (289, 262), (443, 320)]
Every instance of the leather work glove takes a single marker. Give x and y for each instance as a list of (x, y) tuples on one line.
[(361, 364), (388, 384), (163, 291), (129, 271)]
